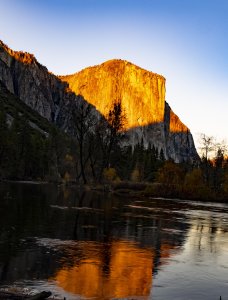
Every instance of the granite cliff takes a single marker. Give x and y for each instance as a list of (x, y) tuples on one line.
[(41, 90), (142, 95)]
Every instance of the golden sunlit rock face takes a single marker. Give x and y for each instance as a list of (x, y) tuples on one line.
[(24, 57), (149, 118), (175, 124), (142, 93)]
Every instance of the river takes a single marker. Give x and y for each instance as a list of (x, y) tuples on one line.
[(89, 245)]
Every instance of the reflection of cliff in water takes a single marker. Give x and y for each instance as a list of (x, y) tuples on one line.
[(124, 270), (92, 244)]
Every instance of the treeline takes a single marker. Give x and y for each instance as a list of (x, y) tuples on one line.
[(208, 180), (25, 152), (93, 152), (100, 155), (30, 147)]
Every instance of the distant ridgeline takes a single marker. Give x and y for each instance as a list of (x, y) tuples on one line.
[(87, 98)]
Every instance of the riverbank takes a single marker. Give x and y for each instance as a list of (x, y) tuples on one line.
[(159, 190), (24, 294), (140, 189), (26, 181)]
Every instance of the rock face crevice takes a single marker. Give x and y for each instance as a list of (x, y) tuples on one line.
[(142, 95)]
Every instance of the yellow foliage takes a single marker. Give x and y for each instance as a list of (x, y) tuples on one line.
[(135, 176), (194, 185), (68, 157), (194, 178), (110, 175), (170, 174), (66, 177)]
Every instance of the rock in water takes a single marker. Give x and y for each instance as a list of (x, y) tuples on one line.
[(40, 296)]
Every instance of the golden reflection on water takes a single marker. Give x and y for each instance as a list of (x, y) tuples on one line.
[(123, 270)]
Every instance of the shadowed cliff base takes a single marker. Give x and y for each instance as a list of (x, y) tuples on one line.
[(177, 146), (171, 135)]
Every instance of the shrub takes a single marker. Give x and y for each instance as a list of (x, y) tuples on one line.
[(135, 176), (110, 175), (195, 187), (67, 177)]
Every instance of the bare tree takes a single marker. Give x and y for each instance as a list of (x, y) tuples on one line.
[(213, 163), (220, 148), (83, 120), (110, 132), (207, 145)]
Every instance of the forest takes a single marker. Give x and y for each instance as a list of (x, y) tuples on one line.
[(31, 148)]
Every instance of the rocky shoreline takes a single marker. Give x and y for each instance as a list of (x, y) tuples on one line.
[(23, 294)]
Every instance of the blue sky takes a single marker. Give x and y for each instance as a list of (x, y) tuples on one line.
[(184, 40)]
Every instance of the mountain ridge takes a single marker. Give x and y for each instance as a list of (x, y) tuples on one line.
[(22, 56), (142, 95), (141, 92), (176, 123), (109, 61), (119, 80)]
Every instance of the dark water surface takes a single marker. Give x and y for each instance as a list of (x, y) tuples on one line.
[(85, 245)]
